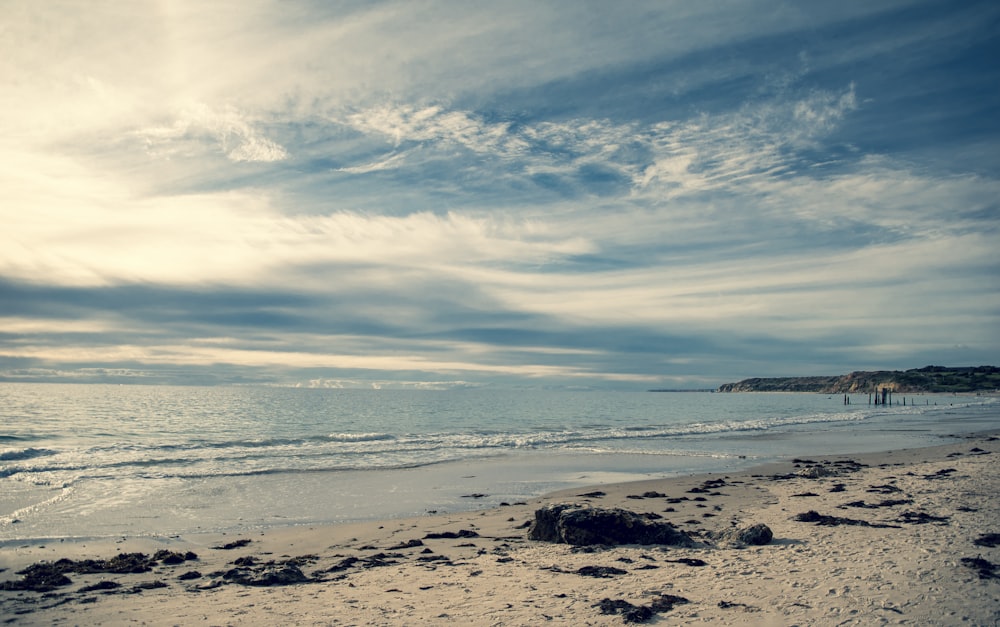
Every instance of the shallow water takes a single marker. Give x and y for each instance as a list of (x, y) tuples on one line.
[(95, 460)]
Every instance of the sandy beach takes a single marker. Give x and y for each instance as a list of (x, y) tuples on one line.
[(902, 537)]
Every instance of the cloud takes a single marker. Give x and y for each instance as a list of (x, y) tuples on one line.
[(229, 129), (668, 158), (428, 192)]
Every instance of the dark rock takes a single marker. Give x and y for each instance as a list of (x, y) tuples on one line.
[(816, 472), (267, 575), (580, 526), (754, 535), (806, 494), (838, 487), (191, 574), (593, 495), (236, 544), (407, 545)]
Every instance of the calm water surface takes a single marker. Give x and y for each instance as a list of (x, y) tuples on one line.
[(95, 460)]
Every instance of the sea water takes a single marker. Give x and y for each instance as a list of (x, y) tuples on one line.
[(103, 460)]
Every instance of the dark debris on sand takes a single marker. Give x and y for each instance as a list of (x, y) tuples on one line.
[(990, 539), (985, 568), (236, 544), (882, 503), (921, 518), (689, 561), (640, 613), (600, 572), (729, 605), (812, 516), (267, 574), (810, 469), (944, 473), (47, 576), (452, 535)]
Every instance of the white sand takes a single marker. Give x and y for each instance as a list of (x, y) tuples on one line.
[(808, 575)]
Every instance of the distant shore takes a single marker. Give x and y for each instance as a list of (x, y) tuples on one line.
[(908, 535), (926, 380)]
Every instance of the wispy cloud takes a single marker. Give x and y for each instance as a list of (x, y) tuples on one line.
[(228, 129)]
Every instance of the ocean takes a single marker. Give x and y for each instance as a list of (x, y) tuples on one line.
[(84, 461)]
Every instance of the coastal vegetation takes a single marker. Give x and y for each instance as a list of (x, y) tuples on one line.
[(927, 380)]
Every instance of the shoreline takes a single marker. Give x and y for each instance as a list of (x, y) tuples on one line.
[(153, 491), (485, 571)]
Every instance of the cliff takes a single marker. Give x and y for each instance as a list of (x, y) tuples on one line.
[(930, 379)]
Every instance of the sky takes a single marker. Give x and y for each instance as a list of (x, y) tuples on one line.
[(431, 194)]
